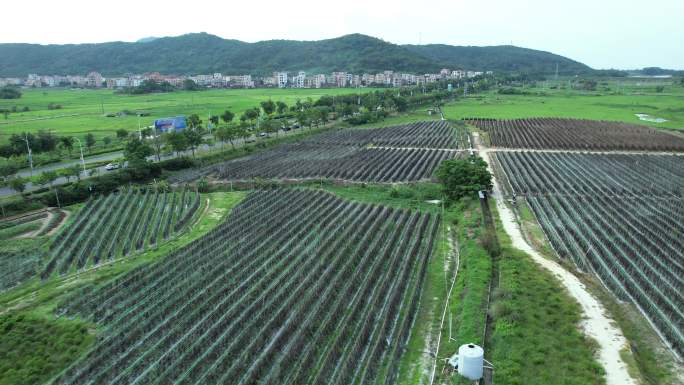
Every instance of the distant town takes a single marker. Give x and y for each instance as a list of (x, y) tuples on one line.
[(217, 80)]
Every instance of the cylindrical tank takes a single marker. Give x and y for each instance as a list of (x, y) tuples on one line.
[(470, 361)]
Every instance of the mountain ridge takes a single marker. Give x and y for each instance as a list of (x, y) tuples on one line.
[(205, 53)]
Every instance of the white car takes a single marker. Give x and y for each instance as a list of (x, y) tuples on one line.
[(111, 166)]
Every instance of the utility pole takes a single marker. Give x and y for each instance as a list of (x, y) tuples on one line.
[(556, 72), (139, 129), (30, 157), (80, 146)]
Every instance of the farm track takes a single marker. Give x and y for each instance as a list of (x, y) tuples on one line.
[(639, 257), (599, 152), (596, 324), (323, 289)]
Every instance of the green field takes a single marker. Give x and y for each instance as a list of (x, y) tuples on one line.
[(82, 110), (583, 105)]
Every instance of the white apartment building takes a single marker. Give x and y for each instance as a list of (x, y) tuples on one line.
[(299, 81), (280, 79)]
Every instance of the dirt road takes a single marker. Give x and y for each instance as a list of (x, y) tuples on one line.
[(596, 323)]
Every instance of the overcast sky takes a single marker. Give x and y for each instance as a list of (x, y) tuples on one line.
[(621, 34)]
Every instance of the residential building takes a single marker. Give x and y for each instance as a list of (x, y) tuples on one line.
[(280, 79), (94, 79)]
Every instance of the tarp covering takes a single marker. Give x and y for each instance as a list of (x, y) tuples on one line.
[(170, 124)]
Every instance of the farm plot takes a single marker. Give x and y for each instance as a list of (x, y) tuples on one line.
[(618, 216), (22, 226), (552, 133), (393, 154), (295, 287), (428, 134), (305, 161), (16, 266), (119, 224)]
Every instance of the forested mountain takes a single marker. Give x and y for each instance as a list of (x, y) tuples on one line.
[(205, 53), (505, 58)]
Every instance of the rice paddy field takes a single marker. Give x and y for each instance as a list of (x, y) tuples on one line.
[(84, 110)]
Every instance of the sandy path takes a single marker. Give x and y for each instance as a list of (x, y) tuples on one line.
[(606, 152), (595, 324)]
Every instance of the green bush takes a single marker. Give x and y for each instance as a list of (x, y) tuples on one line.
[(463, 177), (33, 349)]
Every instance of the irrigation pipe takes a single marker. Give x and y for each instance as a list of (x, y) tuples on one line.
[(446, 305)]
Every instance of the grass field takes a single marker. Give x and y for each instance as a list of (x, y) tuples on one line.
[(82, 110), (618, 107)]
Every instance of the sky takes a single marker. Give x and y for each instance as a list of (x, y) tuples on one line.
[(623, 34)]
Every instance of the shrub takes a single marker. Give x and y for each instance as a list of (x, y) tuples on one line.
[(463, 177)]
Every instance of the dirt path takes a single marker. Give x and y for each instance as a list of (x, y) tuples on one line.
[(596, 323), (621, 152), (67, 214), (46, 220)]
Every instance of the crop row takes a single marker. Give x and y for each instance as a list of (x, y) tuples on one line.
[(619, 174), (22, 220), (16, 266), (295, 287), (429, 134), (554, 133), (304, 161), (620, 222), (391, 154), (118, 224)]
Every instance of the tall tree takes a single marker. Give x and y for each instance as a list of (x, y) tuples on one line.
[(228, 133), (177, 141), (67, 143), (227, 116), (214, 119), (75, 171), (194, 121), (9, 92), (89, 141), (281, 107), (46, 179), (462, 177), (268, 106), (251, 114), (137, 150), (194, 139), (302, 119), (18, 184), (121, 134), (243, 131)]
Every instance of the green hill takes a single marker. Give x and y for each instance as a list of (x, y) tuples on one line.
[(505, 58), (204, 53)]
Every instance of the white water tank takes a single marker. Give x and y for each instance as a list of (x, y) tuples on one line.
[(470, 361)]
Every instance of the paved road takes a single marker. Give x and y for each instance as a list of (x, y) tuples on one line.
[(56, 166), (6, 191)]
